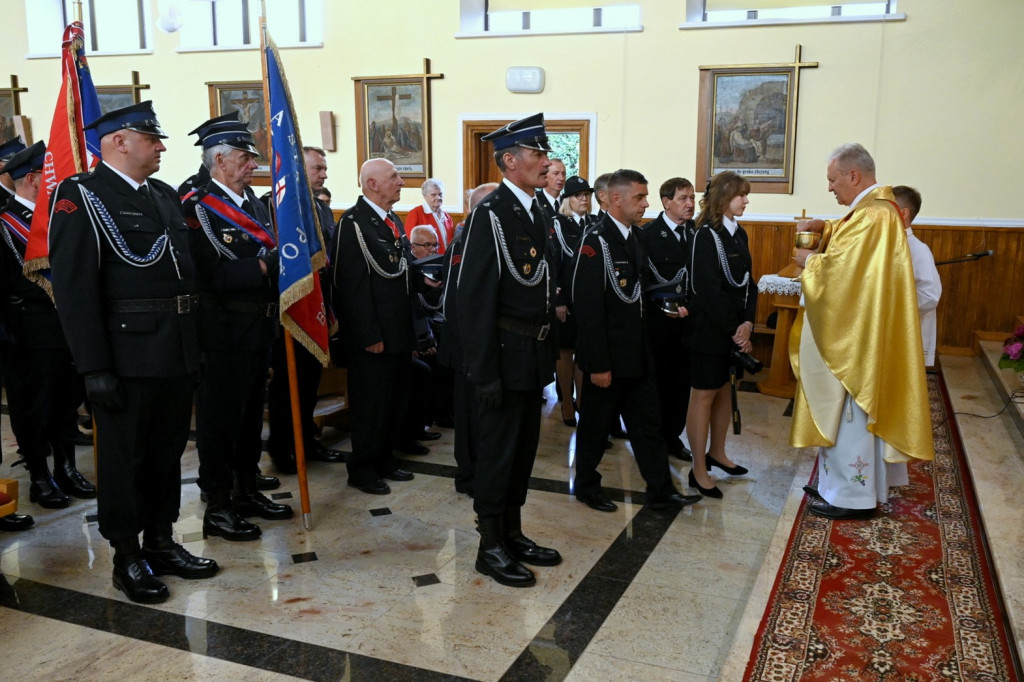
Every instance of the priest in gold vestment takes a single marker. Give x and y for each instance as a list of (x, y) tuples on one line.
[(856, 347)]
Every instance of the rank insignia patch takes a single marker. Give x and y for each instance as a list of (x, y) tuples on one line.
[(65, 206)]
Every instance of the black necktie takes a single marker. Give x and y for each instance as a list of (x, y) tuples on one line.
[(679, 231), (144, 191), (538, 216)]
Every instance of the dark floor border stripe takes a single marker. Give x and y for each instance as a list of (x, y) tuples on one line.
[(584, 611), (208, 638)]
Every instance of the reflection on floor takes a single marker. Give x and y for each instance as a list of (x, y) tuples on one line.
[(384, 587)]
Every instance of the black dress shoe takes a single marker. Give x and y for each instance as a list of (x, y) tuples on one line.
[(497, 563), (258, 504), (682, 452), (374, 487), (597, 501), (16, 522), (399, 475), (713, 491), (732, 471), (673, 501), (412, 448), (226, 523), (428, 435), (71, 481), (44, 492), (813, 493), (133, 576), (526, 551), (176, 560), (829, 511), (571, 421), (322, 453), (267, 482)]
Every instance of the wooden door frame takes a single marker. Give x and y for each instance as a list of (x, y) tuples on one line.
[(477, 125)]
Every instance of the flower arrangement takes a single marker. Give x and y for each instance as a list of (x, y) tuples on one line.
[(1013, 351)]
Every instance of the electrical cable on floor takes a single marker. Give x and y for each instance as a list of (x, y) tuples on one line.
[(1016, 398)]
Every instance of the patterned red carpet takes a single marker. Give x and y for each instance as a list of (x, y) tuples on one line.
[(908, 595)]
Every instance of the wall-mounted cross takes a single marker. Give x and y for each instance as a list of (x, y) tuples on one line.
[(14, 92)]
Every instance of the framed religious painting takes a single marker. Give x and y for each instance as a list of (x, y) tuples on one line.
[(113, 97), (8, 112), (393, 122), (245, 97)]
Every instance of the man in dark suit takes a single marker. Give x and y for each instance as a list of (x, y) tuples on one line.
[(281, 441), (123, 282), (614, 350), (373, 298), (235, 250), (668, 240), (43, 388), (550, 196), (506, 300)]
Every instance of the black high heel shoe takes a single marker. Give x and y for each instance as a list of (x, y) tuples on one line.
[(713, 491), (732, 471)]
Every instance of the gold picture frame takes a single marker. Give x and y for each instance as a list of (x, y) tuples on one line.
[(393, 122), (746, 123), (248, 99)]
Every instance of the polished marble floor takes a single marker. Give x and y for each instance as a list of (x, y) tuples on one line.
[(383, 588)]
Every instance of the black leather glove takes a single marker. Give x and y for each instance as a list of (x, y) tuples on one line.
[(270, 258), (490, 395), (104, 390)]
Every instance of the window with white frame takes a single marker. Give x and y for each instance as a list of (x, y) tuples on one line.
[(111, 26), (771, 11), (548, 16), (234, 24)]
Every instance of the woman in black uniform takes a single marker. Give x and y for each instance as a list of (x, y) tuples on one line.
[(722, 306)]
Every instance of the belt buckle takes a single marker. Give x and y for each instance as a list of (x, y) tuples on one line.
[(543, 333), (184, 304)]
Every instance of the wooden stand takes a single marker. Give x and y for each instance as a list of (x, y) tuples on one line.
[(781, 382)]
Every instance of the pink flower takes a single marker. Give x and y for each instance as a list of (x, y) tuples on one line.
[(1014, 350)]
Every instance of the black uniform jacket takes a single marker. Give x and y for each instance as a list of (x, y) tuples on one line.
[(717, 308), (102, 250), (667, 256), (371, 307), (568, 234), (611, 331), (488, 293), (238, 309), (31, 316)]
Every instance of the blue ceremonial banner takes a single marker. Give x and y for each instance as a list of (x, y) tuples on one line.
[(90, 105), (300, 246)]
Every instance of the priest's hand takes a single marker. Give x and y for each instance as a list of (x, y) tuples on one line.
[(801, 255), (813, 225)]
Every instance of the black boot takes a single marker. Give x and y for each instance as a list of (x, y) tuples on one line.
[(133, 576), (221, 520), (167, 557), (492, 558), (67, 475), (44, 490), (522, 548), (247, 500), (16, 522)]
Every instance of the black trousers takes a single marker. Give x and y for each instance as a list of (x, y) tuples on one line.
[(281, 441), (378, 386), (672, 375), (637, 399), (465, 447), (139, 456), (419, 401), (43, 393), (229, 418), (507, 446)]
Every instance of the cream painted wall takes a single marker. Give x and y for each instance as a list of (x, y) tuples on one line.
[(936, 98)]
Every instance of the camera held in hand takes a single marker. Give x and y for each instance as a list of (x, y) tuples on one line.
[(747, 362)]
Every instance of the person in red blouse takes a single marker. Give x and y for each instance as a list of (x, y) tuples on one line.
[(430, 214)]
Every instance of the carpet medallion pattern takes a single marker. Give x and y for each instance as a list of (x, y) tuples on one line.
[(907, 595)]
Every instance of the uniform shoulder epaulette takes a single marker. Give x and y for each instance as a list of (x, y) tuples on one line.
[(81, 177)]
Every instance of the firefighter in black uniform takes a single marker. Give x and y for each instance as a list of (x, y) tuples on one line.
[(43, 388), (506, 299), (124, 285), (668, 240), (372, 295), (235, 250), (614, 351)]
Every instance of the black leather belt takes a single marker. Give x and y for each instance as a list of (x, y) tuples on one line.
[(269, 309), (179, 304), (534, 331)]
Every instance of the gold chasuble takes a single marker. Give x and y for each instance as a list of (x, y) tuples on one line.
[(859, 334)]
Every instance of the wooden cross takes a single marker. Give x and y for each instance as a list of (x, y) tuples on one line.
[(136, 87), (803, 215), (14, 92)]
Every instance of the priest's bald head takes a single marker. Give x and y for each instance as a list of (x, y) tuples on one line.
[(851, 170)]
